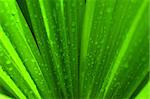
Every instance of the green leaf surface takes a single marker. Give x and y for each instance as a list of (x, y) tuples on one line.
[(74, 49), (7, 82), (144, 94)]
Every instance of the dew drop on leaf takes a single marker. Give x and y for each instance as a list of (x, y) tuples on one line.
[(1, 54), (10, 69), (96, 43), (8, 62), (13, 13)]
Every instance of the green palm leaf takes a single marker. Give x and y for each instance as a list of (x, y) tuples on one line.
[(74, 49)]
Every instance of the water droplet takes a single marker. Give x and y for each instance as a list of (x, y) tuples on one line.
[(101, 12), (133, 1), (13, 13), (64, 70), (92, 63), (40, 73), (73, 59), (109, 10), (85, 87), (8, 62), (96, 43), (96, 83), (10, 69), (35, 16), (80, 3), (108, 47), (126, 66), (1, 54)]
